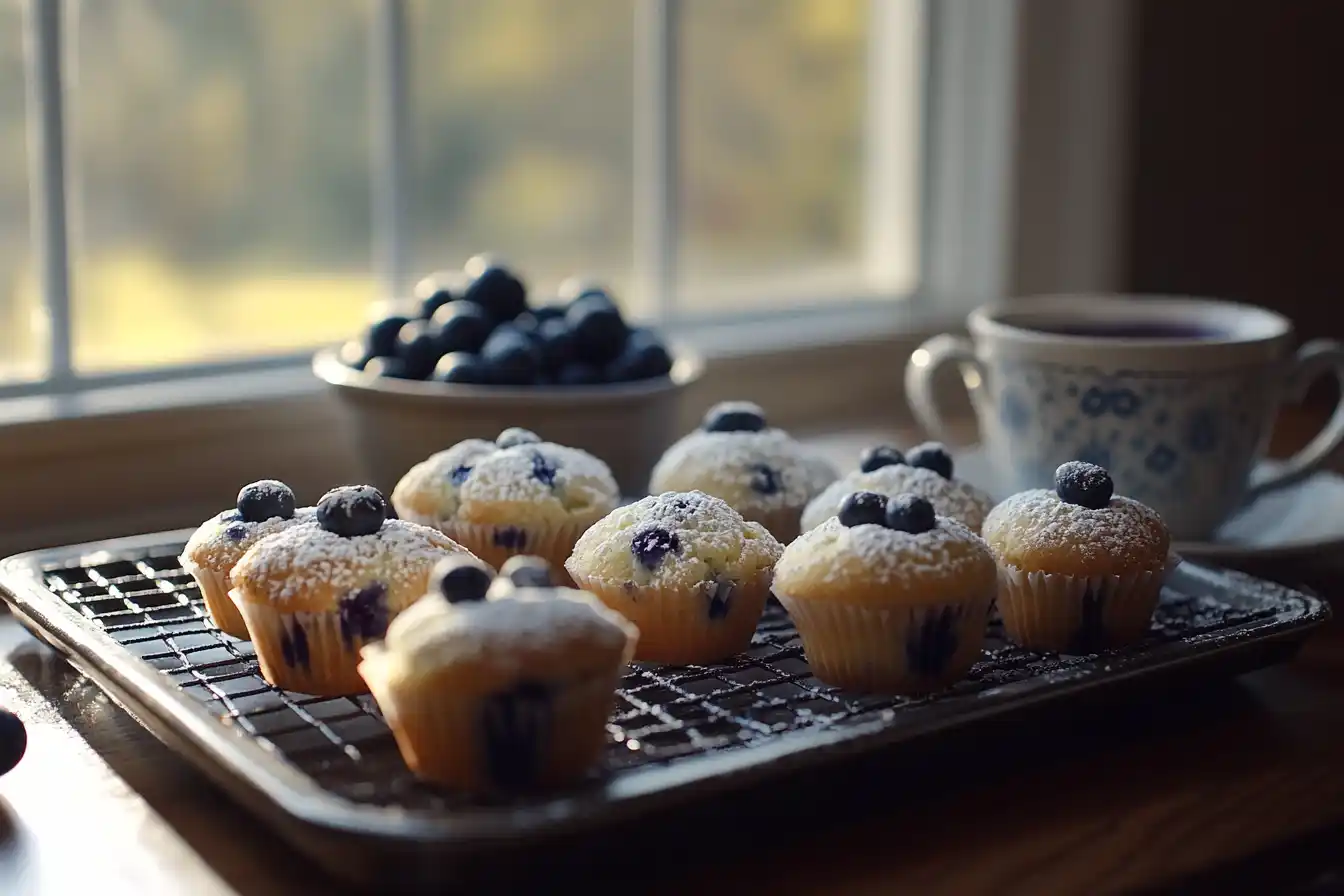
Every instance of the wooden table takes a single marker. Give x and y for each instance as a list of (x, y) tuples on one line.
[(1241, 782)]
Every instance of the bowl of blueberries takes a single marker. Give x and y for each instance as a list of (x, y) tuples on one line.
[(470, 353)]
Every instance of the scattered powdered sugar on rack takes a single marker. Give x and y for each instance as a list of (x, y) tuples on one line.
[(307, 557), (1038, 520), (830, 552), (741, 463), (220, 541), (433, 633), (698, 537), (953, 498)]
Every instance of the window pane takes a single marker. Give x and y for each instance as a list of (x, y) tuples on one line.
[(774, 96), (524, 117), (223, 160), (22, 349)]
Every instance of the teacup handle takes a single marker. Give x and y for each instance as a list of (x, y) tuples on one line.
[(919, 374), (1314, 359)]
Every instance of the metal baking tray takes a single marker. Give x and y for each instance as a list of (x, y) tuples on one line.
[(325, 773)]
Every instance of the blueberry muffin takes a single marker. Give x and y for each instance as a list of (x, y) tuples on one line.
[(516, 495), (685, 568), (888, 596), (315, 593), (263, 508), (500, 686), (925, 470), (761, 471), (1080, 569)]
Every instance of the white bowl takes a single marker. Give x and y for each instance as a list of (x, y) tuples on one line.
[(397, 423)]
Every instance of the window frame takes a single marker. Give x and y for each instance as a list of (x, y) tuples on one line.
[(967, 100)]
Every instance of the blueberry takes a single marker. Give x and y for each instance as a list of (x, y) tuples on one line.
[(765, 480), (353, 354), (460, 579), (418, 349), (734, 416), (435, 298), (651, 545), (236, 531), (879, 456), (931, 456), (578, 374), (910, 513), (496, 289), (643, 358), (863, 508), (380, 340), (516, 435), (543, 470), (462, 327), (265, 499), (544, 313), (574, 287), (556, 342), (462, 367), (1084, 484), (461, 473), (13, 740), (527, 572), (511, 357), (363, 613), (352, 510), (599, 330), (392, 368)]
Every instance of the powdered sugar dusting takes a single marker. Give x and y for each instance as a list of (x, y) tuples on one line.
[(764, 470), (214, 546), (952, 498), (711, 541), (472, 478), (832, 553), (428, 486), (303, 558), (1038, 521), (434, 633)]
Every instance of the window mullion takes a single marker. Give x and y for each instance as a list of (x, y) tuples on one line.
[(657, 166), (49, 200), (390, 74)]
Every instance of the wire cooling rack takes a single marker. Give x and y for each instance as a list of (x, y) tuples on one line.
[(127, 613)]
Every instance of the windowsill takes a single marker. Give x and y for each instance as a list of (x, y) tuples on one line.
[(120, 460)]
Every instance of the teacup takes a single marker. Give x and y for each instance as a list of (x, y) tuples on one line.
[(1176, 397)]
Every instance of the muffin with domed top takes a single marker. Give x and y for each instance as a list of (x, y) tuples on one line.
[(500, 684), (925, 470), (761, 471), (515, 495), (888, 597), (685, 568), (263, 508), (316, 593), (1080, 568)]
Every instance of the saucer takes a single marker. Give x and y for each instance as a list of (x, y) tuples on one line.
[(1301, 519)]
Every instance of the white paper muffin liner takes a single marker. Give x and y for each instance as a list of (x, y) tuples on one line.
[(552, 543), (890, 650), (676, 625), (215, 590), (492, 742), (1076, 614)]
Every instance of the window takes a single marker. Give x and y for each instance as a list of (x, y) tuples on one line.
[(243, 178), (21, 348)]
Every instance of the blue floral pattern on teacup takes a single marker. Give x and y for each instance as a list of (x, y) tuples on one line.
[(1173, 440)]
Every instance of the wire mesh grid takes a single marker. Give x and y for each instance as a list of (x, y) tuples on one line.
[(151, 606)]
